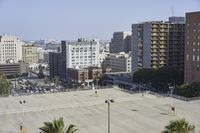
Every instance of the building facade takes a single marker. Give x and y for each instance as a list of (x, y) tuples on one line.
[(192, 48), (121, 42), (120, 62), (57, 63), (176, 47), (83, 75), (77, 75), (158, 44), (30, 54), (10, 69), (10, 49), (82, 54), (94, 72)]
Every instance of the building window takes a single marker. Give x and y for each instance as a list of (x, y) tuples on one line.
[(197, 67), (193, 58), (187, 57), (197, 57)]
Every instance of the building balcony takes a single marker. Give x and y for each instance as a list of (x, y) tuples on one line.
[(163, 38), (162, 47), (164, 42), (163, 55), (154, 47), (154, 26), (155, 30), (163, 59), (154, 38), (154, 55), (163, 34), (154, 59), (164, 26), (154, 51), (163, 30), (163, 51), (154, 34), (154, 66)]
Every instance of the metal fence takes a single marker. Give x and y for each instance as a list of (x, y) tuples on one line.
[(115, 87)]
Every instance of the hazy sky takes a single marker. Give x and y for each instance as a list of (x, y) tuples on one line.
[(70, 19)]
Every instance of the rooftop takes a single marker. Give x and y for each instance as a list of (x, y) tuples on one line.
[(129, 113)]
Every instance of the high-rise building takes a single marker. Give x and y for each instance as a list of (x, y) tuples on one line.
[(192, 48), (176, 42), (10, 49), (57, 62), (29, 54), (121, 42), (158, 44)]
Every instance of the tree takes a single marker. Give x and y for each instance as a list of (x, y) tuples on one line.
[(46, 80), (56, 80), (179, 126), (5, 85), (192, 90), (96, 81), (57, 126), (159, 78)]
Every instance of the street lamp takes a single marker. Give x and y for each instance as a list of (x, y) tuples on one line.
[(140, 89), (22, 102), (171, 88), (108, 101)]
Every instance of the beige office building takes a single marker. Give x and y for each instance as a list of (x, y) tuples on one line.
[(30, 54), (10, 49), (120, 62)]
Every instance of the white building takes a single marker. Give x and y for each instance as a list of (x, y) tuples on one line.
[(120, 62), (83, 53), (10, 49)]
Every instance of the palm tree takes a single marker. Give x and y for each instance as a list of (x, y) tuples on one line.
[(179, 126), (57, 126)]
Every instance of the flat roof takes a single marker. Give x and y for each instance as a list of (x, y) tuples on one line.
[(129, 113)]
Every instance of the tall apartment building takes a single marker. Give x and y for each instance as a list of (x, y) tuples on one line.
[(120, 62), (121, 42), (157, 44), (83, 53), (10, 49), (30, 54), (192, 48)]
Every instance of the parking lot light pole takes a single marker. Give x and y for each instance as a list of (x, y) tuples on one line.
[(22, 102), (171, 88), (108, 101)]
